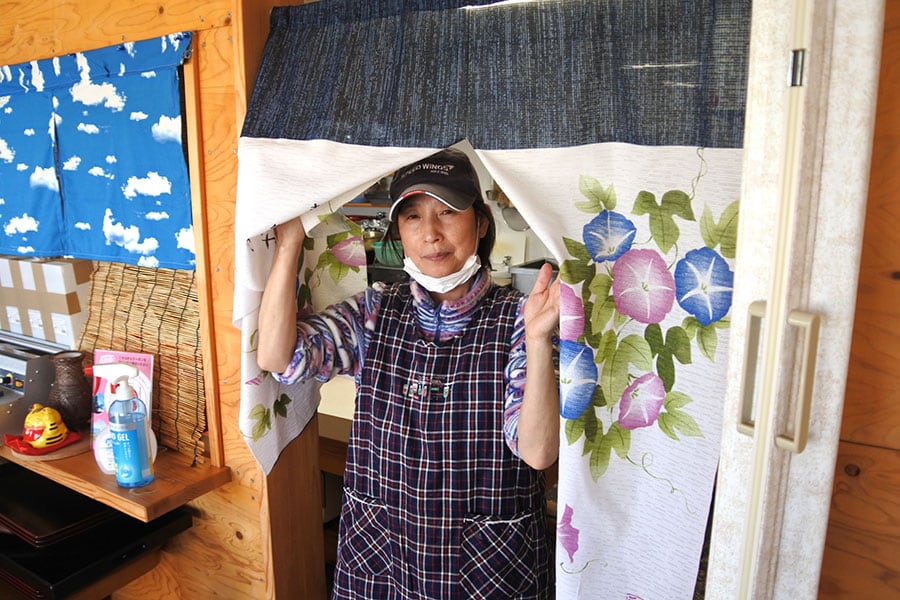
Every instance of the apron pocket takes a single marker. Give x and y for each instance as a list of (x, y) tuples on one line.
[(365, 546), (497, 557)]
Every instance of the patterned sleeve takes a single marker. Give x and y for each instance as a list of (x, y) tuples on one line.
[(515, 379), (515, 382), (333, 341)]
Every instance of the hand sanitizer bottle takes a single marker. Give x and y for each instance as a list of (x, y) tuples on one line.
[(129, 429)]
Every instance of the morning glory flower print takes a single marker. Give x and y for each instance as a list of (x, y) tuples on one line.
[(567, 534), (350, 251), (703, 285), (641, 402), (571, 313), (577, 378), (608, 236), (643, 288)]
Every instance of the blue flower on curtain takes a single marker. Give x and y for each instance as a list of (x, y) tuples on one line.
[(703, 284), (608, 235), (622, 282), (577, 379), (91, 156)]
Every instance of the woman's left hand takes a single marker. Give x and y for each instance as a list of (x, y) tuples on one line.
[(542, 306), (539, 414)]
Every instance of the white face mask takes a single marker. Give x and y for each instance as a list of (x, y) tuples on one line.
[(442, 285)]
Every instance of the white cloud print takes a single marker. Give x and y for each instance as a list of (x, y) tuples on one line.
[(185, 238), (153, 184), (99, 172), (88, 128), (167, 129), (92, 94), (44, 178), (7, 154), (127, 237), (72, 163), (22, 224)]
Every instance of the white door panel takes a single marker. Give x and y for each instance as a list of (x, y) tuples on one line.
[(810, 112)]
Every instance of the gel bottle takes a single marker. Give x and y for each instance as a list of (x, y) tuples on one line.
[(129, 428)]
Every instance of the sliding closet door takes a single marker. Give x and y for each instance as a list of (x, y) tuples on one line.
[(810, 111)]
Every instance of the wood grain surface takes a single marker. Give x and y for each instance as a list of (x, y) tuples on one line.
[(862, 548)]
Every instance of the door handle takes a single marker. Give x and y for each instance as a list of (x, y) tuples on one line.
[(810, 324), (755, 312)]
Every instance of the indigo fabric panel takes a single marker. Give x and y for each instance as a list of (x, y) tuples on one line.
[(505, 75)]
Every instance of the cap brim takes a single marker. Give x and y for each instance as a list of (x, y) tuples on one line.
[(451, 198)]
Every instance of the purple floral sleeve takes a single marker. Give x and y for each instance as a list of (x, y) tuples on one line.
[(515, 383), (515, 380), (333, 341)]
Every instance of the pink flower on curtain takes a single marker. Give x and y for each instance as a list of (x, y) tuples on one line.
[(571, 314), (350, 251), (566, 534), (643, 288), (641, 402)]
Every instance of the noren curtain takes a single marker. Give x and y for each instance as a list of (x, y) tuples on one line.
[(615, 128), (91, 156)]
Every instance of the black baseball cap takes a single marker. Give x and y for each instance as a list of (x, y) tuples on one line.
[(447, 176)]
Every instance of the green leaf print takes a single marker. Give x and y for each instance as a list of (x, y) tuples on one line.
[(673, 420), (575, 271), (280, 405), (263, 421), (728, 227), (723, 233), (615, 439), (633, 350), (598, 197)]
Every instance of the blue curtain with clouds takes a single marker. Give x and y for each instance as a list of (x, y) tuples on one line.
[(91, 157)]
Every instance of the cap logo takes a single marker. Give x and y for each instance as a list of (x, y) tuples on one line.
[(435, 168)]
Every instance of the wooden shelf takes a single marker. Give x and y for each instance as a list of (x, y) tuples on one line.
[(176, 482)]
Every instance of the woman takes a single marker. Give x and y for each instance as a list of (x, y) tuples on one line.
[(457, 406)]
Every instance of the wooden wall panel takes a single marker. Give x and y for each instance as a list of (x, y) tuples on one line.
[(862, 546), (219, 557), (292, 513), (232, 551), (872, 405), (861, 555), (32, 30)]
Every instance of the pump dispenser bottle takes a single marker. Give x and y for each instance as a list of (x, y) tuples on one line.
[(129, 427)]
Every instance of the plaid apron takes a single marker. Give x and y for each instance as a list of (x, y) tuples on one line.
[(435, 504)]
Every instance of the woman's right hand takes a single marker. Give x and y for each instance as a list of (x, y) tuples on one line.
[(289, 235), (278, 307)]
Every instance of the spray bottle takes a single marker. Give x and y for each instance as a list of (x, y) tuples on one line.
[(129, 427)]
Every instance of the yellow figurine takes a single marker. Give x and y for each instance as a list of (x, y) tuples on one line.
[(44, 427)]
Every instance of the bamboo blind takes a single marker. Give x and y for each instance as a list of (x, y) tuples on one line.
[(142, 309)]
